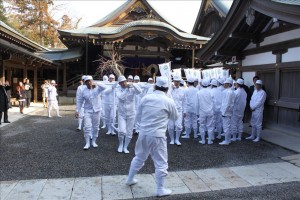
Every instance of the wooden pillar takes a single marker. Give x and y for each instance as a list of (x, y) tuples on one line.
[(57, 74), (193, 58), (65, 78), (2, 71), (25, 72), (35, 86)]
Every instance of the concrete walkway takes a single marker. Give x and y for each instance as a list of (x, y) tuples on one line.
[(180, 182)]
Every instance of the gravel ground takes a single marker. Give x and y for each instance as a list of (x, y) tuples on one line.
[(286, 191), (40, 147)]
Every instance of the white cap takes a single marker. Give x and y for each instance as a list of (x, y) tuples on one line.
[(111, 76), (105, 78), (162, 81), (190, 79), (214, 82), (182, 82), (88, 78), (150, 79), (53, 82), (130, 77), (176, 78), (259, 82), (228, 80), (136, 78), (221, 80), (83, 77), (196, 79), (205, 82), (240, 81), (121, 79)]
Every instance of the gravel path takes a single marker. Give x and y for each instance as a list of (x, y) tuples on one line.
[(40, 147)]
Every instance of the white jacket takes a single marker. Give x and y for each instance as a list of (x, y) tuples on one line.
[(205, 103), (126, 100), (190, 100), (240, 101), (257, 100), (217, 94), (91, 99), (177, 94), (154, 112), (52, 93), (109, 94), (227, 102)]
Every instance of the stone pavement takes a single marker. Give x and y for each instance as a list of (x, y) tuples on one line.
[(181, 182)]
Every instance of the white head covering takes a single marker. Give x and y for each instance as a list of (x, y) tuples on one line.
[(53, 82), (214, 82), (240, 81), (196, 79), (111, 76), (83, 77), (105, 78), (176, 78), (136, 78), (162, 81), (205, 82), (259, 82), (190, 79), (88, 78), (228, 80), (130, 77), (150, 79), (221, 80), (121, 79), (182, 82)]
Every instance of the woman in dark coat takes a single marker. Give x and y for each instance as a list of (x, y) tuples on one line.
[(3, 103)]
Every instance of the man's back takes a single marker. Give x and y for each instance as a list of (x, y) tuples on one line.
[(154, 112)]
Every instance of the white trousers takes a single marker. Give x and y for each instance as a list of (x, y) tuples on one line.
[(125, 126), (206, 122), (178, 123), (218, 122), (227, 127), (52, 104), (108, 114), (91, 124), (237, 124), (156, 147), (256, 121), (191, 120)]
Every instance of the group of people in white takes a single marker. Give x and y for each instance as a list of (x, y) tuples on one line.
[(150, 109)]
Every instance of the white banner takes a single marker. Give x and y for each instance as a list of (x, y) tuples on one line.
[(189, 72), (176, 72), (215, 73), (197, 74), (165, 70)]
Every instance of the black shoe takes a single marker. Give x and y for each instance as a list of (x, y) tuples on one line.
[(6, 121)]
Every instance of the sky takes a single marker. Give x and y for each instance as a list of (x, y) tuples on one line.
[(181, 13)]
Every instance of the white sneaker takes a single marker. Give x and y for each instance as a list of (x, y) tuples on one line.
[(185, 136), (202, 142), (224, 143), (49, 116), (250, 138), (233, 139), (94, 144), (177, 143), (86, 147), (132, 182), (113, 133), (163, 192), (222, 134), (219, 136), (172, 142), (195, 136), (126, 151), (108, 133), (210, 142), (120, 149), (104, 126), (59, 116), (256, 140), (239, 139)]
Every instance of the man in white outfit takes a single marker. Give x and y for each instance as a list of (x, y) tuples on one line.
[(177, 94), (240, 101), (109, 104), (190, 109), (137, 101), (205, 111), (217, 94), (52, 99), (90, 95), (105, 80), (257, 107), (154, 112), (226, 110), (81, 112), (126, 111)]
